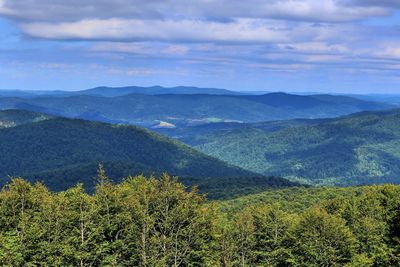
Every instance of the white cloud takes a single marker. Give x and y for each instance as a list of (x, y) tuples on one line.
[(291, 67), (244, 30), (303, 10), (131, 48), (317, 10), (394, 52), (381, 3), (389, 50), (176, 50), (3, 9), (324, 58), (137, 71), (140, 48), (274, 34), (315, 47)]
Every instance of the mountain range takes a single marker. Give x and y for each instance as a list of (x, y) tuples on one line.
[(181, 110), (299, 137), (361, 148), (179, 90), (125, 90), (61, 152)]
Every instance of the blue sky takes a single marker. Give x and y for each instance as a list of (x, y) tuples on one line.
[(335, 46)]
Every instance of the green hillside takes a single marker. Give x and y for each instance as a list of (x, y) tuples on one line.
[(296, 199), (359, 149), (198, 134), (64, 151), (12, 118)]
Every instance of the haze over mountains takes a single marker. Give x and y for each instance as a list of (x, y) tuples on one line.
[(108, 91), (120, 91), (148, 107), (298, 166), (236, 152), (276, 134)]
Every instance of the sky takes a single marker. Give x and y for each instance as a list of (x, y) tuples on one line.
[(332, 46)]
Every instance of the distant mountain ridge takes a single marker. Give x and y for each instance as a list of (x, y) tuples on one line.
[(109, 91), (188, 109), (155, 90), (121, 91)]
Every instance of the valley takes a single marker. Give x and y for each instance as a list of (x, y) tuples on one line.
[(252, 178), (297, 137), (63, 152), (308, 151), (183, 110), (209, 133)]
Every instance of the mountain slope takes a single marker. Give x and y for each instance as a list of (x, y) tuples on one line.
[(198, 134), (12, 118), (64, 151), (184, 110), (358, 149)]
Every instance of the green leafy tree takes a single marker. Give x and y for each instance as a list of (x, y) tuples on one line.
[(243, 234), (11, 253), (323, 239), (273, 235)]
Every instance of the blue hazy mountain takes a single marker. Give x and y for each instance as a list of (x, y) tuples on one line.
[(155, 90), (178, 110), (120, 91)]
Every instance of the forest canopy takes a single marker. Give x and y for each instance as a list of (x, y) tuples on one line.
[(159, 222)]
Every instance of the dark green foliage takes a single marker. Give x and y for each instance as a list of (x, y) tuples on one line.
[(61, 152), (199, 134), (358, 149), (333, 227), (230, 187), (322, 239), (292, 199), (12, 118), (159, 222), (141, 222)]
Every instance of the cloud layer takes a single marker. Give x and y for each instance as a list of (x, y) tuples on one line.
[(202, 38), (308, 10), (158, 30)]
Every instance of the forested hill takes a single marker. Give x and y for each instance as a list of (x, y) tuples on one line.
[(12, 118), (63, 152), (362, 148), (183, 110), (198, 134)]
